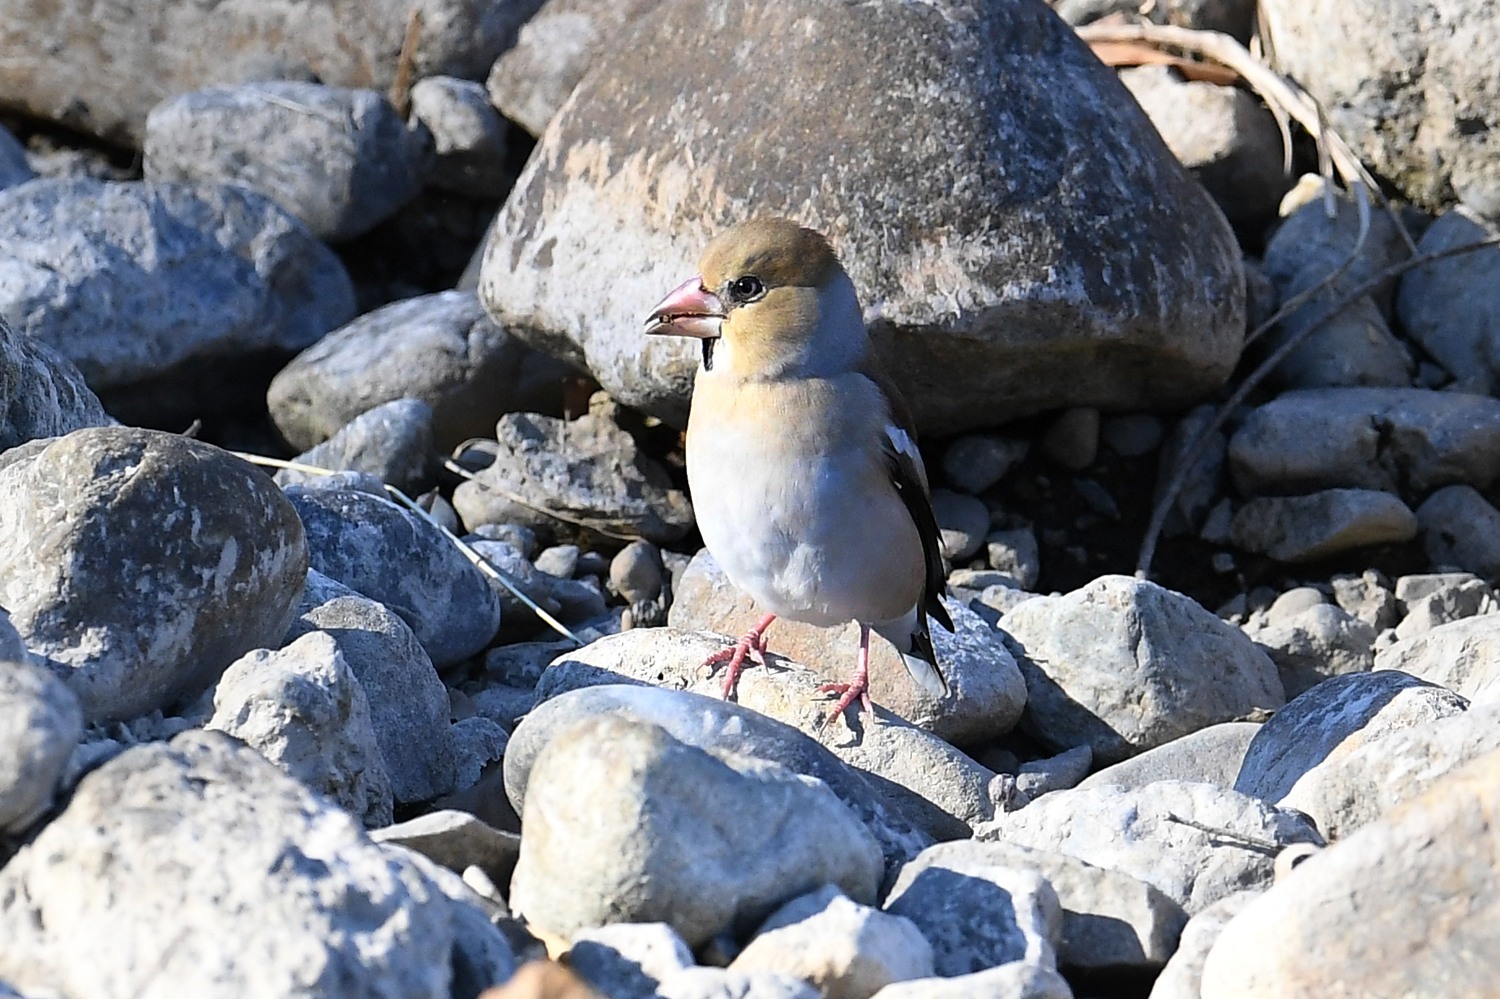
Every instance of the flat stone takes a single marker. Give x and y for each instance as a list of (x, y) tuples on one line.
[(1399, 440), (1308, 528), (986, 690)]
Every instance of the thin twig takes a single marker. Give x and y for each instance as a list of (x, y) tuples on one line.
[(1194, 451), (1276, 90), (480, 562), (401, 87)]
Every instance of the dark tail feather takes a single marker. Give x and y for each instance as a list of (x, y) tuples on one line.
[(921, 661)]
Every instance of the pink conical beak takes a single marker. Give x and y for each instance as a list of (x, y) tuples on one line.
[(689, 310)]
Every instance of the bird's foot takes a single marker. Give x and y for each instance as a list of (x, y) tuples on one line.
[(752, 646), (856, 690)]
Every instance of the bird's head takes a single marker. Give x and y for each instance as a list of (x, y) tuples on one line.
[(775, 296)]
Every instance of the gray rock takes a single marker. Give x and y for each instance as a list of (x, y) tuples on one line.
[(236, 880), (1072, 440), (137, 565), (963, 522), (1015, 553), (638, 574), (439, 348), (1110, 921), (391, 555), (1431, 601), (974, 462), (1316, 643), (1201, 486), (1223, 135), (408, 703), (42, 394), (586, 475), (1194, 842), (55, 73), (1355, 346), (1131, 435), (1182, 977), (1463, 656), (1368, 597), (843, 949), (457, 841), (1016, 980), (636, 831), (986, 690), (721, 983), (981, 267), (1460, 530), (13, 166), (1354, 787), (540, 588), (1449, 306), (40, 724), (302, 709), (1333, 719), (134, 281), (1383, 76), (1308, 528), (392, 441), (1035, 778), (1123, 665), (468, 137), (339, 159), (1407, 441), (628, 960), (941, 892), (555, 48), (946, 792), (1361, 918), (1210, 755), (719, 728)]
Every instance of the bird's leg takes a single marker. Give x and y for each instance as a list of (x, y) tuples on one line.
[(752, 643), (858, 687)]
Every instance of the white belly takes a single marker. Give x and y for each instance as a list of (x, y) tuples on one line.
[(816, 537)]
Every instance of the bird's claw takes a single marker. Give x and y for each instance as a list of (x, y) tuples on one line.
[(752, 645), (848, 694)]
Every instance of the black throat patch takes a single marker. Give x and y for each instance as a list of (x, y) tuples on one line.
[(708, 352)]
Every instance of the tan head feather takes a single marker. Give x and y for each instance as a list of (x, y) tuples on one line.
[(789, 305)]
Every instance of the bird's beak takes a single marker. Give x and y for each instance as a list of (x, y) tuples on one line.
[(690, 310)]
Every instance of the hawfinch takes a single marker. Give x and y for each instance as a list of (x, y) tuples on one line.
[(804, 470)]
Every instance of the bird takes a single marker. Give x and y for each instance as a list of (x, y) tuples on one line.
[(802, 460)]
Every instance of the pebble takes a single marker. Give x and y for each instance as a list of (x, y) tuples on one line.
[(1072, 440), (974, 462), (1460, 530), (1307, 528), (40, 723), (963, 522), (468, 136)]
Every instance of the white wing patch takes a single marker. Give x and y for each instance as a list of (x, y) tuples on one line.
[(902, 443)]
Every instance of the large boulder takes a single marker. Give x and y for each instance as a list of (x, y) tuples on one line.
[(1410, 85), (99, 67), (938, 145)]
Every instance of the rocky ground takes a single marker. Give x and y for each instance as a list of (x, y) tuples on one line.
[(266, 731)]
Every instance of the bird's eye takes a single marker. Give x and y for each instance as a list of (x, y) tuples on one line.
[(746, 289)]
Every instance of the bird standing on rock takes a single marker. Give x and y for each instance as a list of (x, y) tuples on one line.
[(806, 479)]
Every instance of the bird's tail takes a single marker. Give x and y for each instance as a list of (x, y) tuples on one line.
[(921, 661)]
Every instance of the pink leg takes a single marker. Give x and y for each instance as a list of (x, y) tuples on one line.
[(858, 687), (752, 643)]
